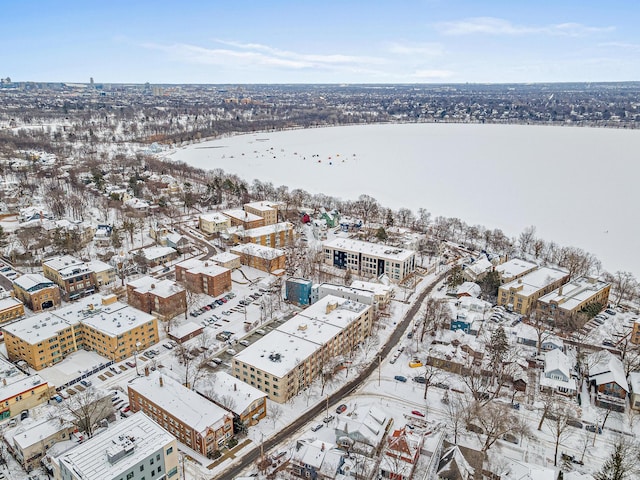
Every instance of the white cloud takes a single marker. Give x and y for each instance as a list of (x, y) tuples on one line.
[(499, 26), (255, 54), (408, 48)]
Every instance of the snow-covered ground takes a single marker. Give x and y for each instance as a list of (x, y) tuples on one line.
[(500, 176)]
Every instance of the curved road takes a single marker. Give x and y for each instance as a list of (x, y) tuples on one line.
[(253, 454)]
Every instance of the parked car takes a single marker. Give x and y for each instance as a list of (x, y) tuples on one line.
[(415, 363), (574, 423), (593, 428), (444, 386), (167, 346), (317, 427), (609, 311), (86, 383), (24, 414), (261, 332), (328, 418), (420, 379), (231, 351), (57, 398), (129, 363), (341, 408), (417, 413), (511, 438), (244, 343), (400, 378)]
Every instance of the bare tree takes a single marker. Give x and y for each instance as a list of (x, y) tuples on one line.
[(623, 285), (495, 420), (456, 411), (558, 426), (85, 409), (275, 412)]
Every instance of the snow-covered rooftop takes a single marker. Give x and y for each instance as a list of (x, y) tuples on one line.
[(262, 205), (535, 281), (152, 253), (29, 281), (214, 217), (221, 384), (267, 229), (376, 288), (224, 257), (161, 288), (66, 265), (607, 368), (112, 319), (239, 214), (514, 267), (185, 329), (256, 250), (185, 405), (91, 458), (573, 293), (98, 266), (372, 249)]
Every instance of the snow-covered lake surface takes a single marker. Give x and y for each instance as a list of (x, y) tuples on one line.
[(578, 186)]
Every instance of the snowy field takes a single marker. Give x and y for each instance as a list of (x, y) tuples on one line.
[(572, 183)]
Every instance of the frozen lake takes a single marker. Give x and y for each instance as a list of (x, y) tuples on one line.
[(578, 186)]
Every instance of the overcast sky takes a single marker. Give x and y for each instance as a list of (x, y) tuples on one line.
[(304, 41)]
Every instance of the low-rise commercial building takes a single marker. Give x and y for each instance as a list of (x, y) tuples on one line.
[(514, 269), (370, 259), (37, 292), (192, 419), (135, 448), (29, 444), (95, 323), (163, 299), (73, 276), (289, 358)]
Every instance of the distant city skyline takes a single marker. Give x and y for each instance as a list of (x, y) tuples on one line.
[(373, 41)]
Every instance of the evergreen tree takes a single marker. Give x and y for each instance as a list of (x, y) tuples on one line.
[(621, 465)]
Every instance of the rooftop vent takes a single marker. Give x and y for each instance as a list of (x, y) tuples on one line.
[(275, 357)]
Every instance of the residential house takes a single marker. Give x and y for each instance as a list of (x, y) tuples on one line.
[(163, 299), (29, 443), (34, 213), (401, 454), (366, 430), (477, 270), (102, 235), (317, 460), (195, 421), (459, 462), (557, 375), (468, 289), (73, 276), (607, 377)]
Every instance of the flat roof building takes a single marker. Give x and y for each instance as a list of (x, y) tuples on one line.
[(134, 448), (73, 276), (288, 359), (370, 259), (98, 323), (521, 294), (573, 297), (37, 292)]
